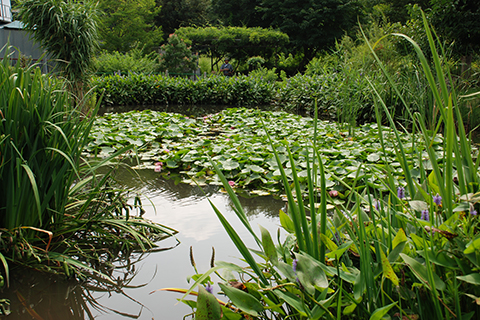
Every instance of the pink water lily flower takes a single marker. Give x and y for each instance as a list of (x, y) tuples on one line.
[(231, 183), (158, 166)]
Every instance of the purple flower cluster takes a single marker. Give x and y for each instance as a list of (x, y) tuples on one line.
[(209, 288), (437, 200), (425, 215), (401, 193)]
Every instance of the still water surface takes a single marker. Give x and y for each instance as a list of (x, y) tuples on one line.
[(180, 206), (186, 208)]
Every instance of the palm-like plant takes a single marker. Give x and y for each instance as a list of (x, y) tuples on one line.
[(67, 30)]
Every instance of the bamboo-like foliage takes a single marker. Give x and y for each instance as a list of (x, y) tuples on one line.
[(67, 30)]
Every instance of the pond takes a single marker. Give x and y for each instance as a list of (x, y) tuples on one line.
[(180, 206)]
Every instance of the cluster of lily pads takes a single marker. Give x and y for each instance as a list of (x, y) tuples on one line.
[(237, 140)]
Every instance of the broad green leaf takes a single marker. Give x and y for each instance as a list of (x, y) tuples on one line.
[(228, 314), (340, 250), (421, 272), (373, 157), (286, 222), (208, 307), (387, 269), (268, 246), (310, 273), (272, 306), (379, 313), (440, 258), (286, 270), (359, 287), (230, 165), (293, 300), (349, 309), (472, 246), (433, 183), (243, 300), (418, 205), (473, 278), (399, 238), (332, 246)]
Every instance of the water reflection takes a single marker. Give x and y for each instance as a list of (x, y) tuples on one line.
[(167, 201)]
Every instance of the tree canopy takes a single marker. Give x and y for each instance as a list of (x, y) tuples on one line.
[(239, 13), (127, 24), (239, 43), (458, 21), (312, 25), (182, 13)]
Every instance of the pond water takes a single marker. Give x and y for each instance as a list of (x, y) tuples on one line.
[(180, 206)]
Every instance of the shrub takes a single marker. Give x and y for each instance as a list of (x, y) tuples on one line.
[(133, 61), (177, 58)]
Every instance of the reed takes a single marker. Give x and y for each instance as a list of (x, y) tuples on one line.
[(405, 248), (57, 213)]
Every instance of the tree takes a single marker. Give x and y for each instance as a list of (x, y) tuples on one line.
[(177, 57), (128, 24), (239, 43), (312, 25), (182, 13), (67, 30), (238, 13), (458, 21)]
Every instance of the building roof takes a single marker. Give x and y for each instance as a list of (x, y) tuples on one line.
[(18, 25)]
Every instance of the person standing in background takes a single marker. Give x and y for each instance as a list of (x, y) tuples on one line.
[(227, 68)]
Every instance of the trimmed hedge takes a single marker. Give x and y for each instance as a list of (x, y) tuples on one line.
[(295, 94), (163, 90)]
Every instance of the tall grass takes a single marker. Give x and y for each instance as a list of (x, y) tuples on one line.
[(56, 213), (410, 252)]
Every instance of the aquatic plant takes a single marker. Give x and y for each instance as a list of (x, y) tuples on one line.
[(57, 212), (364, 261)]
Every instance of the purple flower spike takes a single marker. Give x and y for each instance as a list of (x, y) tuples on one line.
[(294, 265), (209, 288), (401, 192), (437, 200), (425, 216), (473, 212)]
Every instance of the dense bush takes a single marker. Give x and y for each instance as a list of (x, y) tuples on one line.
[(132, 61), (162, 90)]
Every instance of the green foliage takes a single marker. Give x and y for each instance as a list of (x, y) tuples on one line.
[(238, 13), (177, 57), (238, 43), (255, 62), (237, 139), (182, 13), (125, 25), (312, 25), (163, 90), (57, 213), (394, 249), (264, 74), (133, 61), (459, 22), (66, 29)]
